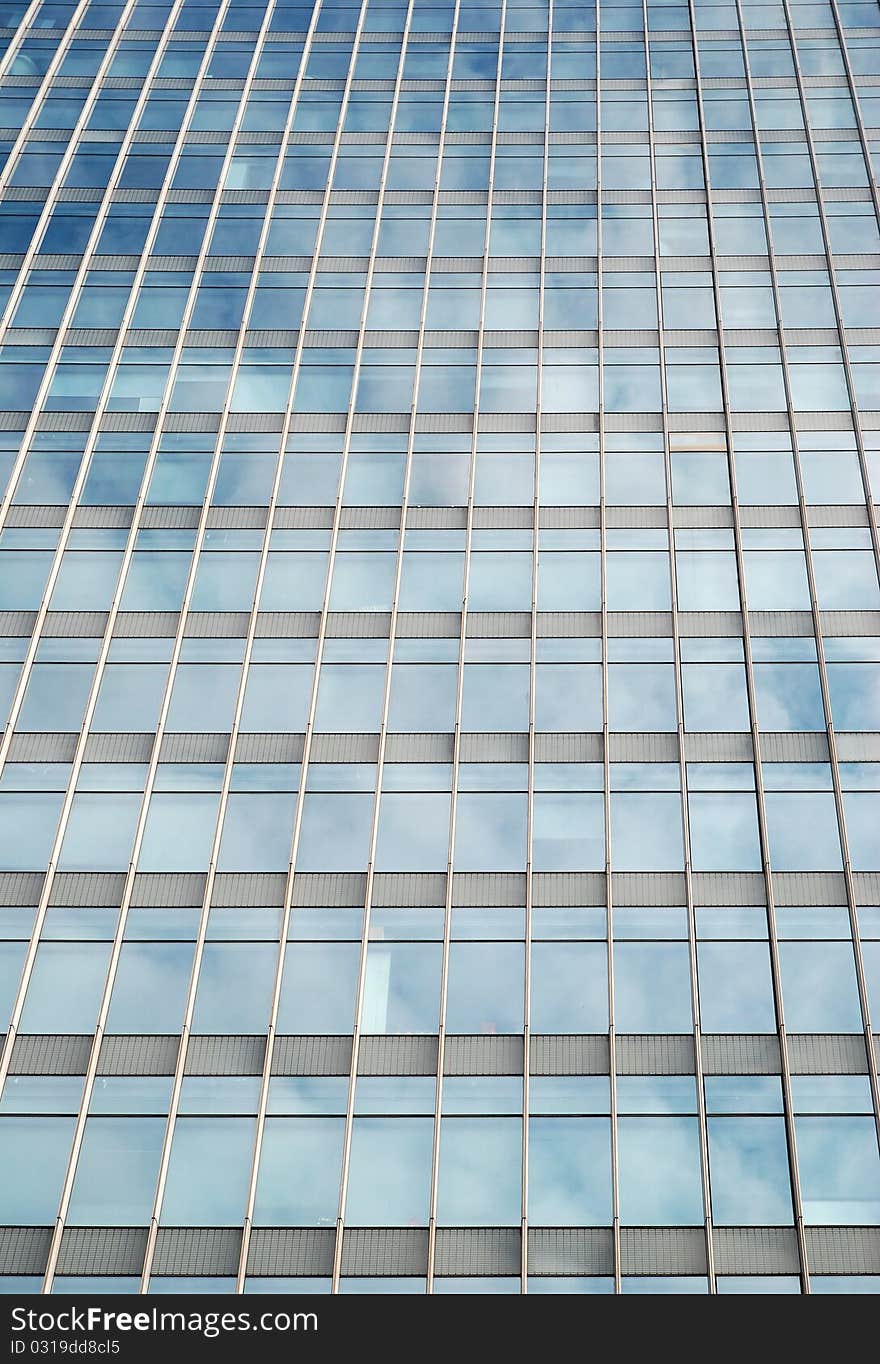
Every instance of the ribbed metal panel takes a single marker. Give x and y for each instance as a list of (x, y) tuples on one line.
[(102, 1250), (302, 518), (130, 421), (571, 421), (118, 748), (397, 1055), (794, 748), (710, 624), (728, 888), (655, 888), (499, 625), (133, 1054), (771, 517), (217, 625), (855, 515), (562, 625), (50, 1054), (28, 515), (197, 1250), (484, 1055), (850, 622), (252, 518), (225, 1055), (146, 625), (755, 1250), (736, 1054), (555, 1054), (436, 518), (207, 422), (64, 421), (291, 1251), (194, 748), (345, 748), (20, 888), (287, 624), (149, 336), (853, 748), (478, 1250), (488, 888), (790, 624), (636, 517), (418, 889), (808, 888), (568, 748), (358, 624), (685, 518), (643, 748), (494, 748), (314, 889), (487, 518), (168, 889), (75, 624), (170, 518), (639, 624), (718, 748), (843, 1250), (662, 1250), (562, 518), (570, 1250), (568, 888), (108, 518), (827, 1054), (655, 1054), (370, 518), (867, 887), (311, 1056), (419, 748), (42, 748), (385, 1250), (506, 421), (24, 1250), (96, 888), (428, 625), (16, 624), (269, 748), (248, 889)]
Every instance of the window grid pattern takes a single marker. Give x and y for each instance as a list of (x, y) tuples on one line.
[(474, 526)]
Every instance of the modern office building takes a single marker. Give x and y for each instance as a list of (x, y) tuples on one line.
[(440, 629)]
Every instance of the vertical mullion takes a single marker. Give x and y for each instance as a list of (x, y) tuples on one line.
[(533, 646), (606, 751), (456, 753), (763, 835), (679, 707), (186, 1030), (383, 725)]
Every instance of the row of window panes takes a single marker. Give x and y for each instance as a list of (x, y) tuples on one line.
[(480, 1171), (568, 987)]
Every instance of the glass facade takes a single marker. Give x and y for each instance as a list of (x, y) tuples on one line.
[(440, 631)]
